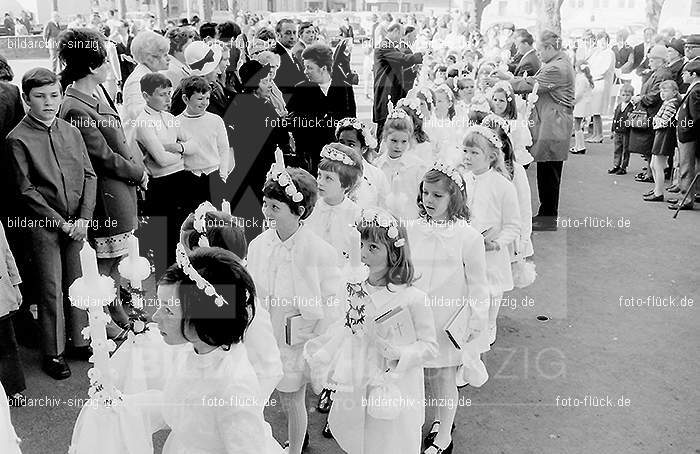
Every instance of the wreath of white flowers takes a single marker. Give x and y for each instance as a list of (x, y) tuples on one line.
[(449, 171), (372, 216), (411, 103), (500, 121), (445, 88), (488, 133), (183, 261), (331, 153), (359, 127), (506, 87), (200, 223), (425, 91), (279, 174)]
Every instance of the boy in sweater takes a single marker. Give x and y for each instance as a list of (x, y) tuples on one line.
[(621, 131)]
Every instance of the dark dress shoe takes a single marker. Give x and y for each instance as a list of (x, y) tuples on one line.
[(326, 432), (673, 200), (17, 400), (685, 207), (325, 400), (82, 353), (55, 367), (644, 179), (575, 151), (621, 172), (654, 198), (613, 170), (674, 189), (648, 193), (439, 450), (544, 226)]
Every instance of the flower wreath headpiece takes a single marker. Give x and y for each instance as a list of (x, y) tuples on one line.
[(183, 261), (331, 153), (359, 127), (450, 171), (411, 103), (200, 223), (505, 86), (488, 133), (372, 216), (446, 89), (495, 119), (395, 113), (279, 174), (425, 91)]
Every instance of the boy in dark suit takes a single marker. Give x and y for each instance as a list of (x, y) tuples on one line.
[(56, 186), (621, 131)]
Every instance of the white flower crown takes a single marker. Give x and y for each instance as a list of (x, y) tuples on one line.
[(359, 127), (446, 89), (488, 133), (331, 153), (411, 103), (450, 171), (279, 174), (427, 93), (183, 261), (506, 87), (500, 121), (372, 216)]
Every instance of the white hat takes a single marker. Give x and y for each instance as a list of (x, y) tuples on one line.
[(202, 58)]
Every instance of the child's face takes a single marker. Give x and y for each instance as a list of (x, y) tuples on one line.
[(442, 102), (350, 138), (476, 160), (44, 101), (398, 142), (435, 198), (424, 109), (169, 314), (279, 215), (467, 89), (667, 93), (265, 87), (197, 103), (329, 186), (375, 256), (160, 98), (499, 102), (626, 95)]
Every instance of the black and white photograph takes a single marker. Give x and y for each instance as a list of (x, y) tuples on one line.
[(349, 226)]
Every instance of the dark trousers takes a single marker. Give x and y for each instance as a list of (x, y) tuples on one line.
[(622, 150), (689, 165), (11, 374), (548, 183), (380, 129), (51, 264)]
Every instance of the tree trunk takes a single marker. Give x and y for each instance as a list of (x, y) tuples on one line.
[(121, 9), (653, 12), (479, 6), (549, 15), (206, 10)]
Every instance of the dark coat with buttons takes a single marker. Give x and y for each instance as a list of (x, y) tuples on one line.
[(119, 169)]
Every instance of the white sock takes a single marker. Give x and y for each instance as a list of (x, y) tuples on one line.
[(297, 419)]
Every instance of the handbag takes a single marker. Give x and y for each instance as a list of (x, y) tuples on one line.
[(639, 118)]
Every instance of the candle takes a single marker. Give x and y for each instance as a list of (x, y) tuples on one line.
[(226, 206), (279, 158), (355, 255), (88, 262), (133, 248)]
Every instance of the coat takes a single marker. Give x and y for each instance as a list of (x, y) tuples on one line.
[(314, 116), (11, 113), (289, 73), (641, 140), (688, 126), (552, 117), (389, 64), (119, 170), (9, 278), (529, 63)]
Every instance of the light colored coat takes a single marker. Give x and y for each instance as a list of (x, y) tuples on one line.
[(10, 298)]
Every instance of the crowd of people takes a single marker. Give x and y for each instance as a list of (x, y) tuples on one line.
[(146, 133)]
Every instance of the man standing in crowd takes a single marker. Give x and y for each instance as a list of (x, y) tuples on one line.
[(307, 36), (289, 73), (51, 32), (390, 61), (641, 62), (553, 123), (528, 61)]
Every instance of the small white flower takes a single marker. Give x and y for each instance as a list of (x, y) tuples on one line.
[(209, 290), (298, 197), (393, 232), (284, 179), (289, 190)]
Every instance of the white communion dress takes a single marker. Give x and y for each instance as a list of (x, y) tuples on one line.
[(9, 441)]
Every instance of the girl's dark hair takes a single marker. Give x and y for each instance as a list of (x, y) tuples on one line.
[(507, 150), (360, 136), (304, 182), (81, 50), (457, 207), (400, 270), (511, 112), (349, 175), (418, 132), (218, 326), (6, 73)]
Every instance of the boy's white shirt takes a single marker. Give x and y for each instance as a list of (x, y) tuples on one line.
[(225, 158), (154, 129)]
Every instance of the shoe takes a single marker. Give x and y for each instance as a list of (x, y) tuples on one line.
[(434, 429), (303, 447), (667, 173), (644, 179), (673, 200), (654, 198), (594, 140), (572, 150), (613, 170), (55, 367), (326, 432), (439, 450), (648, 193), (17, 400), (621, 172), (325, 400), (685, 207), (544, 226), (697, 198), (675, 189), (82, 353)]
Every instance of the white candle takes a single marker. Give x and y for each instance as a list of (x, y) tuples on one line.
[(88, 262), (355, 255), (226, 207), (133, 246), (279, 158)]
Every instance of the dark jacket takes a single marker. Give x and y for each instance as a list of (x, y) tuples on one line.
[(620, 117), (389, 64), (313, 116), (119, 170), (51, 170), (650, 91), (289, 73), (688, 126), (675, 70), (11, 110), (529, 64)]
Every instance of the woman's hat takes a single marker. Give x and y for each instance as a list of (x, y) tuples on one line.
[(692, 66), (252, 72), (202, 58), (658, 51), (678, 45)]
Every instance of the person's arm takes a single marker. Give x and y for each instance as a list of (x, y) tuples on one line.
[(474, 260), (163, 154), (87, 203), (510, 217), (225, 151), (133, 99), (548, 79), (19, 108), (626, 67), (10, 264), (33, 199), (522, 189), (396, 57), (425, 347), (653, 96)]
